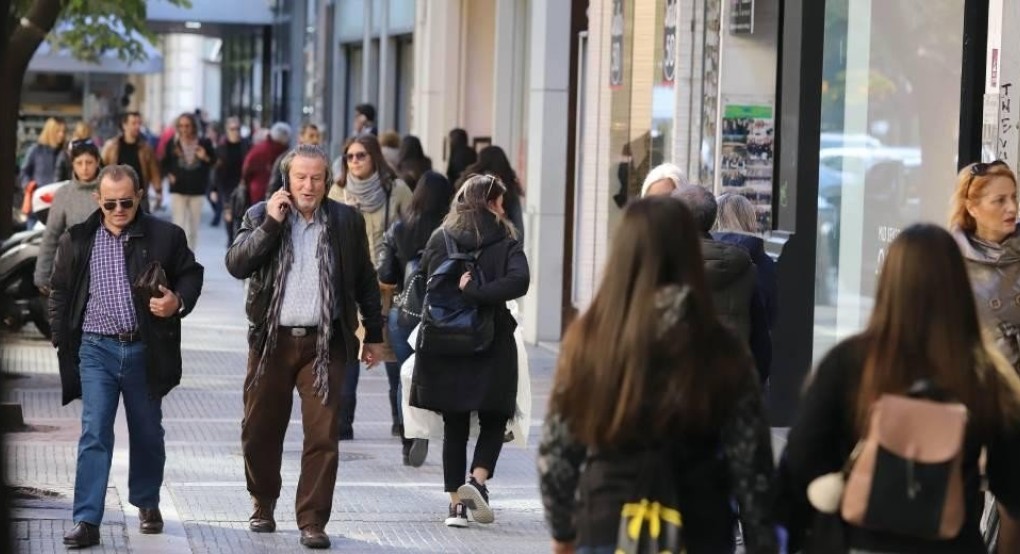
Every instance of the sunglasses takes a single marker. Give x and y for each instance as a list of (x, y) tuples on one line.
[(125, 204), (351, 156), (980, 169)]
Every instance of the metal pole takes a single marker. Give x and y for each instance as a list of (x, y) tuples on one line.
[(383, 114), (366, 55)]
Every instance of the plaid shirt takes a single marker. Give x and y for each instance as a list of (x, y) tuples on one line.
[(110, 309)]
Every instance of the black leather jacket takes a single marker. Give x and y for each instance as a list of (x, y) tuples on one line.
[(253, 256)]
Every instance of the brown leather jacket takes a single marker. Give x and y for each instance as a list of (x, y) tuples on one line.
[(146, 155)]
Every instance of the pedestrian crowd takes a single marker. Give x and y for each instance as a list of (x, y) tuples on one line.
[(656, 438)]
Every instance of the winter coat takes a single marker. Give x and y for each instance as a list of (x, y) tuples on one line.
[(764, 306), (822, 439), (460, 159), (377, 222), (146, 157), (994, 271), (257, 170), (253, 256), (150, 239), (191, 180), (40, 165), (488, 381)]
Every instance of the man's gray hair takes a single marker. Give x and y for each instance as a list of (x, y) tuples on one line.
[(280, 132), (701, 203), (313, 151)]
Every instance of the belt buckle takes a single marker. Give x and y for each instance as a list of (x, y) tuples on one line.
[(298, 331)]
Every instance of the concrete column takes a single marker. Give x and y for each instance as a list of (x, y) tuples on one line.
[(508, 92), (437, 72), (545, 215), (383, 116), (366, 56)]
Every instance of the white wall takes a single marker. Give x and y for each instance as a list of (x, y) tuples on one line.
[(479, 51)]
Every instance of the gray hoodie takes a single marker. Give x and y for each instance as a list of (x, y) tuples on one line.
[(994, 271), (72, 204)]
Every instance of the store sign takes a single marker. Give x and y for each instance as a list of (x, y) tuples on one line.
[(741, 17), (616, 46), (669, 43)]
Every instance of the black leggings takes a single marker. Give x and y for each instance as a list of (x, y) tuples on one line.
[(490, 442)]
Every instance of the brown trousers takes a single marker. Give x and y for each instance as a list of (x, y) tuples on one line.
[(267, 410)]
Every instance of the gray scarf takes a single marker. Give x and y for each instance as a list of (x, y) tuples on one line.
[(285, 258), (369, 195)]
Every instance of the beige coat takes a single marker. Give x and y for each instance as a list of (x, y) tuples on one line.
[(378, 221)]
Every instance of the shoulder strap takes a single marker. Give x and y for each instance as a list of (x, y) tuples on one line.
[(451, 246)]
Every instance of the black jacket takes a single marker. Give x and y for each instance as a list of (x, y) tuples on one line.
[(486, 381), (253, 256), (822, 438), (401, 244), (731, 275), (149, 239), (191, 180)]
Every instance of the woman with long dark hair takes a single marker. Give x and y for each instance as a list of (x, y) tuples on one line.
[(492, 160), (486, 383), (649, 364), (924, 327), (412, 162), (403, 246)]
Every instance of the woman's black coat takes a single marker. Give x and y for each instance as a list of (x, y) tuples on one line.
[(484, 382)]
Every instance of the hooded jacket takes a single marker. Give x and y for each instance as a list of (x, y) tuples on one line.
[(731, 276), (488, 381), (994, 271)]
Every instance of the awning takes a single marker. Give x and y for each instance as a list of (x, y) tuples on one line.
[(48, 61)]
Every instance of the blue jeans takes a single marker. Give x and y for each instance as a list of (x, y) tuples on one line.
[(403, 351), (108, 369)]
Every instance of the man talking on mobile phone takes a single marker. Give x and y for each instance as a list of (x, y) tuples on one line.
[(310, 273)]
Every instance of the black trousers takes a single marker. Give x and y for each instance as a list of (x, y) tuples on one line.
[(456, 427)]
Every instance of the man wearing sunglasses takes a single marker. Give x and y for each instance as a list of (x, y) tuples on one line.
[(309, 274), (116, 337)]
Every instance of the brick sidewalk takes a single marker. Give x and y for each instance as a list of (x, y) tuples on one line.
[(379, 505)]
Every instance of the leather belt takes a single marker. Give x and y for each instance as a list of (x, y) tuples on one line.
[(300, 331), (132, 336)]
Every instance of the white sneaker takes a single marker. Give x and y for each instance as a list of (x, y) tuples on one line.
[(458, 516), (476, 497)]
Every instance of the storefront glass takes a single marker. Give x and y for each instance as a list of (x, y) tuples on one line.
[(889, 122)]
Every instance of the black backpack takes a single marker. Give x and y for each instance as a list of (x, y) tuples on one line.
[(412, 296), (451, 324)]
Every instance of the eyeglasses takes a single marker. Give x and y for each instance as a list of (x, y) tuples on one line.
[(233, 128), (980, 169), (80, 142), (125, 204), (351, 156)]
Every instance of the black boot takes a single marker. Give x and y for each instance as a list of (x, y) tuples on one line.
[(407, 451), (347, 406)]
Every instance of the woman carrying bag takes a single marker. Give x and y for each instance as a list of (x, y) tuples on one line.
[(484, 382)]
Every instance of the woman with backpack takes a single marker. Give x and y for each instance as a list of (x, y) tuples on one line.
[(403, 245), (654, 399), (923, 343), (456, 385)]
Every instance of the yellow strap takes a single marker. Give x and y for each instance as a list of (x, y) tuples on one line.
[(652, 512)]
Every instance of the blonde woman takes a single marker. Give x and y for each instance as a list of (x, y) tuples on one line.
[(40, 163)]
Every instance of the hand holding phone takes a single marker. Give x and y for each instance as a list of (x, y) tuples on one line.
[(278, 205)]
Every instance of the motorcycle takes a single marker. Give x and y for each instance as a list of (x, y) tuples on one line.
[(21, 302)]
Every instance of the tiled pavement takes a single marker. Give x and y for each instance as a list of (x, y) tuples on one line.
[(379, 505)]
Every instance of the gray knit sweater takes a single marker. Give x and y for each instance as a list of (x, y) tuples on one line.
[(72, 204)]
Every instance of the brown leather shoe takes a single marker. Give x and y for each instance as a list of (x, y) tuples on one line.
[(83, 535), (150, 521), (261, 520), (312, 536)]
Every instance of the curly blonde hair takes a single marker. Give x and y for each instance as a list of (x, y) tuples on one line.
[(970, 185)]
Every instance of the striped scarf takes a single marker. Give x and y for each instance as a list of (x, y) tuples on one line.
[(285, 258)]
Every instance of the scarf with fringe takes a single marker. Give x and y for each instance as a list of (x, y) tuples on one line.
[(285, 258)]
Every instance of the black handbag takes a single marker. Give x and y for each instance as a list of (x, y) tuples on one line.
[(411, 299), (148, 283)]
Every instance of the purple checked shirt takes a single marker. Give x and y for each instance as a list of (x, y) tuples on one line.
[(110, 309)]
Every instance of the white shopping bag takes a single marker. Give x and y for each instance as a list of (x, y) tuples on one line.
[(426, 424)]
